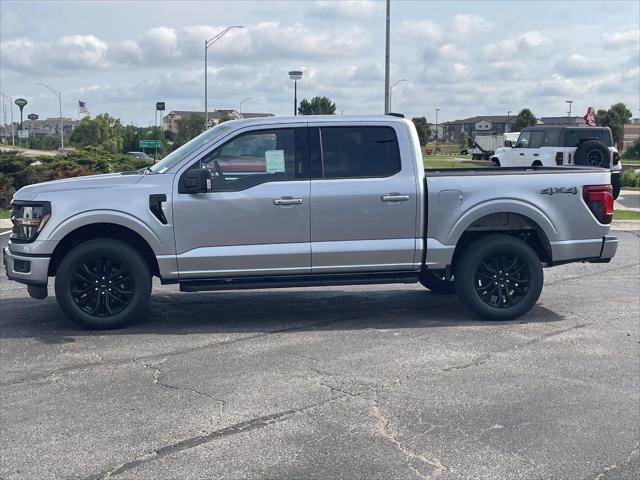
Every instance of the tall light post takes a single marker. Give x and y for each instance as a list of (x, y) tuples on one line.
[(391, 91), (506, 127), (295, 75), (569, 102), (59, 95), (436, 149), (207, 44), (13, 136), (387, 57), (244, 100)]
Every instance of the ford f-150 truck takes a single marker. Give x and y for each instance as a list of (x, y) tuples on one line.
[(305, 201)]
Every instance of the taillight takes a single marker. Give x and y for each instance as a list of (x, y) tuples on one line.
[(599, 199), (559, 158), (616, 158)]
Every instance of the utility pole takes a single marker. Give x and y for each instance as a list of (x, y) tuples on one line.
[(59, 95), (506, 127), (569, 102), (436, 149), (387, 56), (207, 44)]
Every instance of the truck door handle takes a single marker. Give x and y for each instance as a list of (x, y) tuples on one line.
[(394, 197), (284, 201), (536, 154), (522, 154)]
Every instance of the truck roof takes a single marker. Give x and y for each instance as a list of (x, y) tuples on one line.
[(319, 119)]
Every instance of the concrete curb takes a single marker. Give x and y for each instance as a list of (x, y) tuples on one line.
[(626, 225)]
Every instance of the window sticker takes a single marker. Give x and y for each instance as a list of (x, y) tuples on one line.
[(274, 160)]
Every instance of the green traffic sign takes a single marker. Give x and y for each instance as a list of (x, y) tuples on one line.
[(20, 102), (149, 143)]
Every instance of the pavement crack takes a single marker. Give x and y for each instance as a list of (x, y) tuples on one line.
[(157, 368), (235, 429), (618, 466), (485, 357), (384, 430)]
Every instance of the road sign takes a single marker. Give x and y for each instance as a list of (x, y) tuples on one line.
[(160, 106), (23, 133), (33, 116), (21, 102), (149, 143)]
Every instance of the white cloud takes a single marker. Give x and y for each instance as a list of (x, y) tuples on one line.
[(529, 43), (346, 9), (424, 30), (629, 38), (467, 24)]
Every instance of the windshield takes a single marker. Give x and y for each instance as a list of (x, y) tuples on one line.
[(191, 146)]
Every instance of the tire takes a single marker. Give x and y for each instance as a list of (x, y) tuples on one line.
[(593, 153), (474, 276), (496, 161), (436, 283), (537, 163), (122, 284)]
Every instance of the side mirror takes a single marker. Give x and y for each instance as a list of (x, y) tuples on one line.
[(195, 180), (508, 143)]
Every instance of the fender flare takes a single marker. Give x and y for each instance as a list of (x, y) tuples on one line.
[(510, 205), (115, 217)]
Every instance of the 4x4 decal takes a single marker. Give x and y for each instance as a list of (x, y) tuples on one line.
[(557, 190)]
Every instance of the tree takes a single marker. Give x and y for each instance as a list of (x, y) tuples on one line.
[(614, 118), (423, 128), (317, 106), (463, 139), (189, 128), (103, 131), (525, 118)]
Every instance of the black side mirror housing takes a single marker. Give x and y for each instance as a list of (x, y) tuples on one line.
[(195, 180)]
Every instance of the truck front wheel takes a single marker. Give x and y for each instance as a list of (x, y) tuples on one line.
[(499, 277), (103, 283)]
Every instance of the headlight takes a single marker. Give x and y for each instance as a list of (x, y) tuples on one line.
[(28, 219)]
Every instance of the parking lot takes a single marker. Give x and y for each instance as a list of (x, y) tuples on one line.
[(349, 382)]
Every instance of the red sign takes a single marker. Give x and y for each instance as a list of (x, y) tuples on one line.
[(590, 117)]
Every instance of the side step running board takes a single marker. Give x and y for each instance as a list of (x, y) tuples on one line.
[(292, 281)]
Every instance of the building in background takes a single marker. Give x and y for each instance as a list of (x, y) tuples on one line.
[(48, 127), (479, 125), (170, 120), (563, 120), (631, 132)]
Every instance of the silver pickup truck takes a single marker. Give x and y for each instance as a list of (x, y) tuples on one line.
[(305, 201)]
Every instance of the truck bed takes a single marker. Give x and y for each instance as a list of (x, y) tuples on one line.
[(463, 172)]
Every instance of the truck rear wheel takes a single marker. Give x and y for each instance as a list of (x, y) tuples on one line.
[(103, 283), (437, 283), (499, 277)]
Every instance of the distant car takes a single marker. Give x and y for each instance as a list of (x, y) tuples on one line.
[(140, 155), (553, 145)]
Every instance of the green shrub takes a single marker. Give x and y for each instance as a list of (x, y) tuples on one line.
[(629, 178), (633, 152)]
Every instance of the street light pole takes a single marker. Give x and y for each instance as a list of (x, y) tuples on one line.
[(295, 75), (6, 131), (391, 91), (387, 56), (244, 100), (59, 95), (506, 127), (436, 149), (207, 44), (569, 102)]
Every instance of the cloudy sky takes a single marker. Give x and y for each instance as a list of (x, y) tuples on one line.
[(465, 57)]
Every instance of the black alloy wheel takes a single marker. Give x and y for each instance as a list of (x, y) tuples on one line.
[(502, 280), (102, 286)]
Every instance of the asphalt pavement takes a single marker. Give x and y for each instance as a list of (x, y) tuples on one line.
[(372, 382)]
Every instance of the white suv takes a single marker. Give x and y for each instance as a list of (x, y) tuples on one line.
[(552, 146)]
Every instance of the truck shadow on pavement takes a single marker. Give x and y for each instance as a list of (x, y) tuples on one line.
[(170, 313)]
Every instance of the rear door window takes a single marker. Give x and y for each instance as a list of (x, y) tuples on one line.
[(357, 152)]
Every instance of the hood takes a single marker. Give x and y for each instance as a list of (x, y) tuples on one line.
[(90, 182)]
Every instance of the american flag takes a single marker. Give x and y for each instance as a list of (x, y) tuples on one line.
[(82, 108)]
